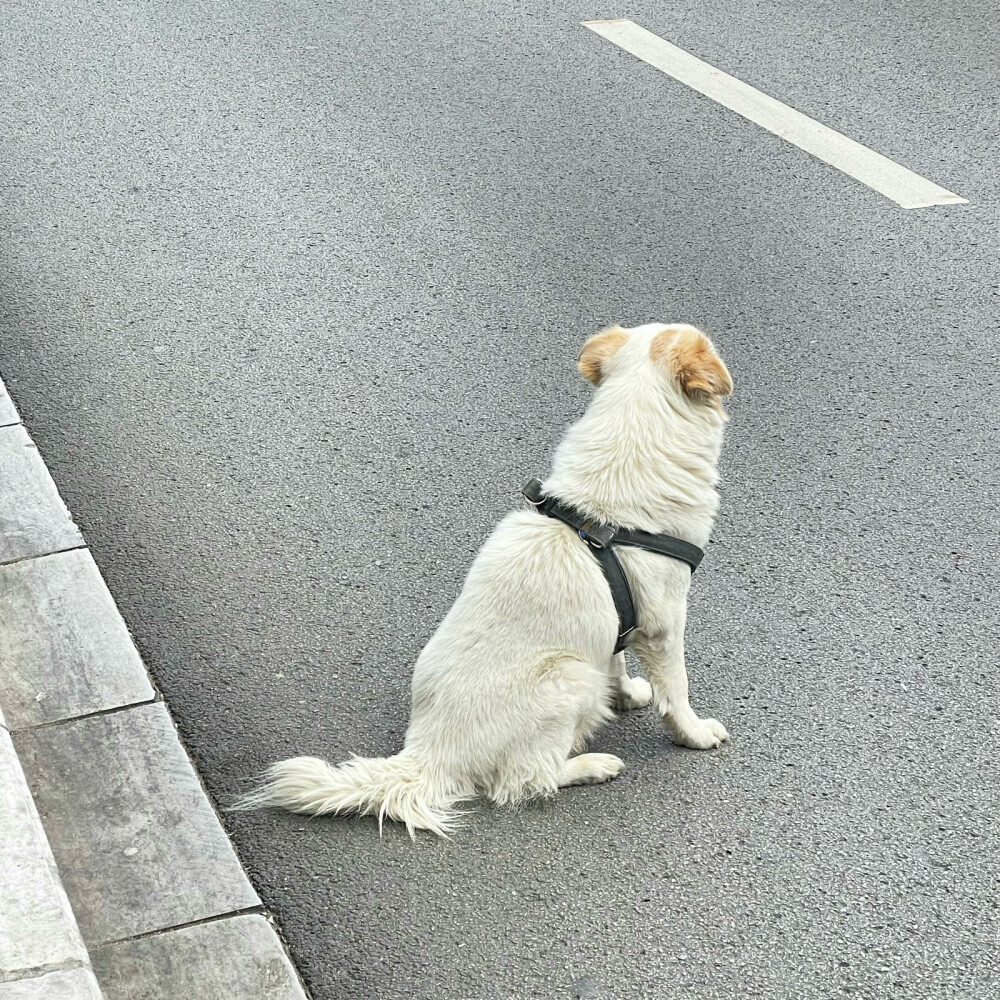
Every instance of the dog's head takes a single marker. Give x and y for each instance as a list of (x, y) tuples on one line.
[(679, 357)]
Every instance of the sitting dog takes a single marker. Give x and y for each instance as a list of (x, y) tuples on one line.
[(523, 668)]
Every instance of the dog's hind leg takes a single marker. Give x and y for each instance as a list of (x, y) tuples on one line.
[(569, 700), (628, 692), (590, 769)]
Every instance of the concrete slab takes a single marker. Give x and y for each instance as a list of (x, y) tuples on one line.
[(37, 926), (64, 984), (33, 519), (69, 652), (8, 412), (138, 845), (239, 958)]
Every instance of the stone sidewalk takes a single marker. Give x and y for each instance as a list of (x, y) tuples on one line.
[(117, 880)]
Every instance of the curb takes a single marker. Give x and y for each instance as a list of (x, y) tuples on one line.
[(117, 879)]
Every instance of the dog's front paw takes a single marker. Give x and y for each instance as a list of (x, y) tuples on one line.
[(704, 734), (633, 692)]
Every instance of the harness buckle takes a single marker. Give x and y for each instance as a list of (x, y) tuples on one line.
[(597, 535), (624, 639), (532, 492)]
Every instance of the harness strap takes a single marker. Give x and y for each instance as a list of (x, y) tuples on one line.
[(601, 538), (664, 545), (621, 594)]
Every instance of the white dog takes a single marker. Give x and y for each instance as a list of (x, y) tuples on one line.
[(522, 670)]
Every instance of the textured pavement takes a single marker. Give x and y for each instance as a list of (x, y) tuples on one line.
[(291, 302)]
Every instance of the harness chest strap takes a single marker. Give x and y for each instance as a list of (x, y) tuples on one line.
[(600, 539)]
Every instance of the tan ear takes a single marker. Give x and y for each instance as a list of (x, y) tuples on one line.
[(598, 351), (689, 354)]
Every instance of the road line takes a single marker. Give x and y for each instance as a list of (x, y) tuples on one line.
[(907, 189)]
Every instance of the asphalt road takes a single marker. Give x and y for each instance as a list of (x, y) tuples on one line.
[(291, 299)]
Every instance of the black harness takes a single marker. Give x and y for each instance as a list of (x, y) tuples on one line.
[(600, 538)]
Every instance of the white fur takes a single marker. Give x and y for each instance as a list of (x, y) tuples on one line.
[(521, 671)]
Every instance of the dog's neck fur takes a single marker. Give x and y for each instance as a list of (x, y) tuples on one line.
[(643, 458)]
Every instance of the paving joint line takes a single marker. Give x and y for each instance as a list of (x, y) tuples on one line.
[(98, 713), (246, 911), (40, 555)]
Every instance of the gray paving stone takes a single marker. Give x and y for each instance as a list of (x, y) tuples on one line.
[(8, 412), (67, 650), (33, 518), (137, 842), (64, 984), (37, 927), (239, 958)]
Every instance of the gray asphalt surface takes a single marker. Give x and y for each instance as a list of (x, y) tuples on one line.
[(292, 297)]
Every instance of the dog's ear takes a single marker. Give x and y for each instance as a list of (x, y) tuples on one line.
[(690, 356), (598, 351)]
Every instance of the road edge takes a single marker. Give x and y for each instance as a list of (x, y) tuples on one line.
[(74, 694)]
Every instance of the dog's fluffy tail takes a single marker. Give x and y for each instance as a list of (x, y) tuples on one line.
[(398, 787)]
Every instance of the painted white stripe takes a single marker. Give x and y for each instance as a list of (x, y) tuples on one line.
[(903, 186)]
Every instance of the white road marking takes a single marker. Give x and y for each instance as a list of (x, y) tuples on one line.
[(907, 189)]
